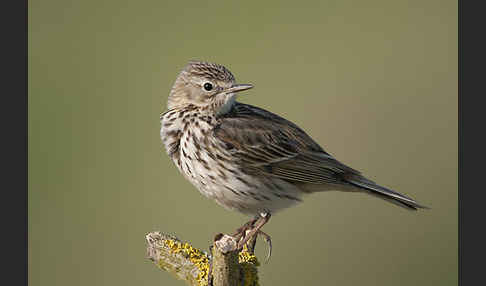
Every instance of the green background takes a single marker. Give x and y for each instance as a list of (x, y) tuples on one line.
[(374, 82)]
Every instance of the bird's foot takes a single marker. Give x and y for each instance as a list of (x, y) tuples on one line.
[(268, 240), (241, 231), (248, 233)]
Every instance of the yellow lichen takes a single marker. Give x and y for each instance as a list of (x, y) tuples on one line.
[(196, 256), (247, 261)]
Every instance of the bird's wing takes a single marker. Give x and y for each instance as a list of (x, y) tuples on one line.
[(265, 142)]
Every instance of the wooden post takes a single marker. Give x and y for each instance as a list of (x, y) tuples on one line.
[(229, 267)]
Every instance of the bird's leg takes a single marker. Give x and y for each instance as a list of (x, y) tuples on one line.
[(250, 244), (241, 231), (249, 231), (255, 230)]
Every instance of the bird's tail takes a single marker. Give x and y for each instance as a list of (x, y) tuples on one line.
[(384, 193)]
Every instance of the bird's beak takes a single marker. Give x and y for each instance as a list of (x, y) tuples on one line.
[(238, 87)]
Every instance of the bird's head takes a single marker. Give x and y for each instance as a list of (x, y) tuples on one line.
[(206, 85)]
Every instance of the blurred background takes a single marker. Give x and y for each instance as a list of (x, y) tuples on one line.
[(374, 82)]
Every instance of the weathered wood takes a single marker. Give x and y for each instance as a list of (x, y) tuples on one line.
[(229, 267), (226, 270)]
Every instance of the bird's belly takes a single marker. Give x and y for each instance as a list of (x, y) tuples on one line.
[(231, 186)]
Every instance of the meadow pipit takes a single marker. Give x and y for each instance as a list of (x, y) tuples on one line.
[(246, 158)]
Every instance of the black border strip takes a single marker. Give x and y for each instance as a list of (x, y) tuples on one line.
[(14, 135)]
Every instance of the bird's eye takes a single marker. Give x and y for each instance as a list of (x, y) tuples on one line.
[(208, 86)]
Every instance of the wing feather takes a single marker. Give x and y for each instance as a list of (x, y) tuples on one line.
[(268, 143)]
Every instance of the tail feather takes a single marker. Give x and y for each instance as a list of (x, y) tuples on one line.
[(385, 193)]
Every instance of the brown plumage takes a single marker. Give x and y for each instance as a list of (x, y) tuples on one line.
[(244, 157)]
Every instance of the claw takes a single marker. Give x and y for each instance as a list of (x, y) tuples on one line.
[(268, 240), (247, 234)]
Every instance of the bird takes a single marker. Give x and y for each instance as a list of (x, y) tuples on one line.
[(248, 159)]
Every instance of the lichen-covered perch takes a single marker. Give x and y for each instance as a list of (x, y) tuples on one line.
[(229, 268)]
